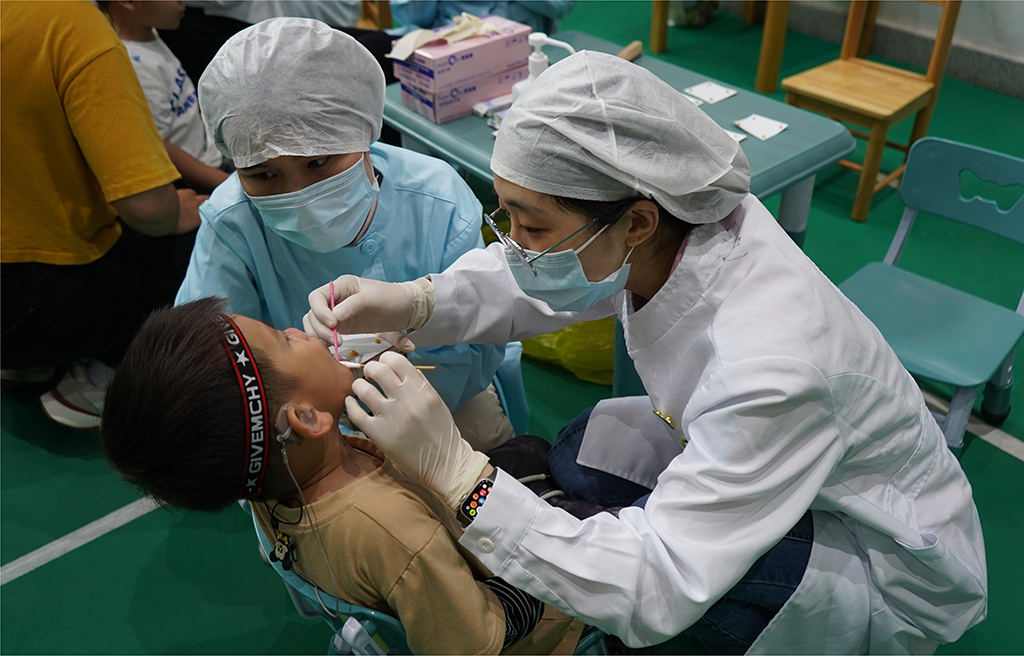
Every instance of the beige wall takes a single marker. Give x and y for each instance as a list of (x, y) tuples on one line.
[(992, 26)]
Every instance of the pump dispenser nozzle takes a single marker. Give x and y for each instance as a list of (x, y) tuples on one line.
[(538, 61)]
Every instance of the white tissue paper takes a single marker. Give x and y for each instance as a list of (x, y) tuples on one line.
[(359, 348), (466, 26)]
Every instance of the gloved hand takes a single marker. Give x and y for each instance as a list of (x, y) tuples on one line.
[(363, 305), (412, 425)]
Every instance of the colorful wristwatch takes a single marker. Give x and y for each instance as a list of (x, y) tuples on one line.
[(474, 501)]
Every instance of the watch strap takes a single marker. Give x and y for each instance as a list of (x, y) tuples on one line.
[(474, 501)]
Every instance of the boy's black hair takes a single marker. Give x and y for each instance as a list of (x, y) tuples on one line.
[(173, 421)]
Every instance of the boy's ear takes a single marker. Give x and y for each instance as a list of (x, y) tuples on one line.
[(308, 422)]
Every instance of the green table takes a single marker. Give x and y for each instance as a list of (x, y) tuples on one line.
[(785, 164)]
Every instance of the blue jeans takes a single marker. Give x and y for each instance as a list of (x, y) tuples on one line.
[(732, 624)]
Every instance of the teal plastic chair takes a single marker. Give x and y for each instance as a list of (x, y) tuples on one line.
[(941, 333), (363, 631), (508, 383), (357, 630)]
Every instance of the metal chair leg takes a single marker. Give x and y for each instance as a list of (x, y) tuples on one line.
[(995, 407)]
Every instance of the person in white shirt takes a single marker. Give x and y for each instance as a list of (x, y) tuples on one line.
[(169, 90), (776, 415)]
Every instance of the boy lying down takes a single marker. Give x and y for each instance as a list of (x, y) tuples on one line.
[(193, 416)]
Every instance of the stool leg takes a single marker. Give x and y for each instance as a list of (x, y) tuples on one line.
[(872, 162), (794, 208), (956, 418), (995, 407)]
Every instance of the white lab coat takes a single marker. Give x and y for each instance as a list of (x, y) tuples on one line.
[(789, 399)]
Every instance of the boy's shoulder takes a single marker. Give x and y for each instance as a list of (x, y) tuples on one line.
[(374, 529), (384, 514)]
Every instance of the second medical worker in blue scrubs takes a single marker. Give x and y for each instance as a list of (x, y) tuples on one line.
[(298, 106)]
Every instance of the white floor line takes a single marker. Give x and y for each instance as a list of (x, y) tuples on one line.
[(1003, 441), (54, 550)]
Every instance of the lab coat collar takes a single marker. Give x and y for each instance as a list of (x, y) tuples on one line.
[(707, 248)]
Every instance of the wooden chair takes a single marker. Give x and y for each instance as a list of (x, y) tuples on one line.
[(659, 25), (874, 95), (376, 15)]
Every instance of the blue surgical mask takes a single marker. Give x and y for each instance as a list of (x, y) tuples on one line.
[(324, 216), (560, 280)]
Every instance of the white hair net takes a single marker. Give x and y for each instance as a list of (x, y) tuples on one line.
[(596, 127), (291, 86)]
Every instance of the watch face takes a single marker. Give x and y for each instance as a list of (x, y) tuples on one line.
[(476, 499)]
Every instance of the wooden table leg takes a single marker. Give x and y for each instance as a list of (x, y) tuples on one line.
[(772, 41), (659, 25)]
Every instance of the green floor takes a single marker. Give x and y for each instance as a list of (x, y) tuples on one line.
[(175, 583)]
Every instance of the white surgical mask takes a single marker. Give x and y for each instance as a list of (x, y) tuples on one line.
[(560, 280), (324, 216)]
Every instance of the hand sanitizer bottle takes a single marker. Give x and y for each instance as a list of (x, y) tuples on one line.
[(538, 61)]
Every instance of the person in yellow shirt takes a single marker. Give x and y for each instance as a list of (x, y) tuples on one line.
[(93, 234)]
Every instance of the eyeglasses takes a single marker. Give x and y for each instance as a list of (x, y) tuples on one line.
[(520, 252)]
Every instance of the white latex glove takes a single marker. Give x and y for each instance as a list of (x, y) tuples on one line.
[(413, 426), (362, 305)]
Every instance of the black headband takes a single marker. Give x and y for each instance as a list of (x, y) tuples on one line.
[(254, 398)]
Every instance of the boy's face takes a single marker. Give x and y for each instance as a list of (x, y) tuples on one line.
[(321, 381), (161, 14)]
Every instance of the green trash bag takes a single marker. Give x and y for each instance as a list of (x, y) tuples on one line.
[(586, 349)]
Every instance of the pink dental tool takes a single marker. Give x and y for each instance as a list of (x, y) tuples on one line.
[(330, 290)]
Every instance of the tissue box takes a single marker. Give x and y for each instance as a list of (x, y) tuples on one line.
[(436, 69), (457, 101)]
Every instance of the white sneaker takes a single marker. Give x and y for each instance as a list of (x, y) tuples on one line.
[(75, 402)]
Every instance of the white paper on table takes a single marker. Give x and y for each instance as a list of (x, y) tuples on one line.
[(761, 126), (736, 135), (693, 100), (710, 92)]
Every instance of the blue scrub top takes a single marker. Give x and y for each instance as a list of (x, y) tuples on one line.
[(541, 15), (426, 218)]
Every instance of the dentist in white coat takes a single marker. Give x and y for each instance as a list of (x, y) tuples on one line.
[(776, 415)]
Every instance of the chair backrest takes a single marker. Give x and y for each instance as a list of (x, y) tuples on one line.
[(385, 630), (933, 181), (859, 9)]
